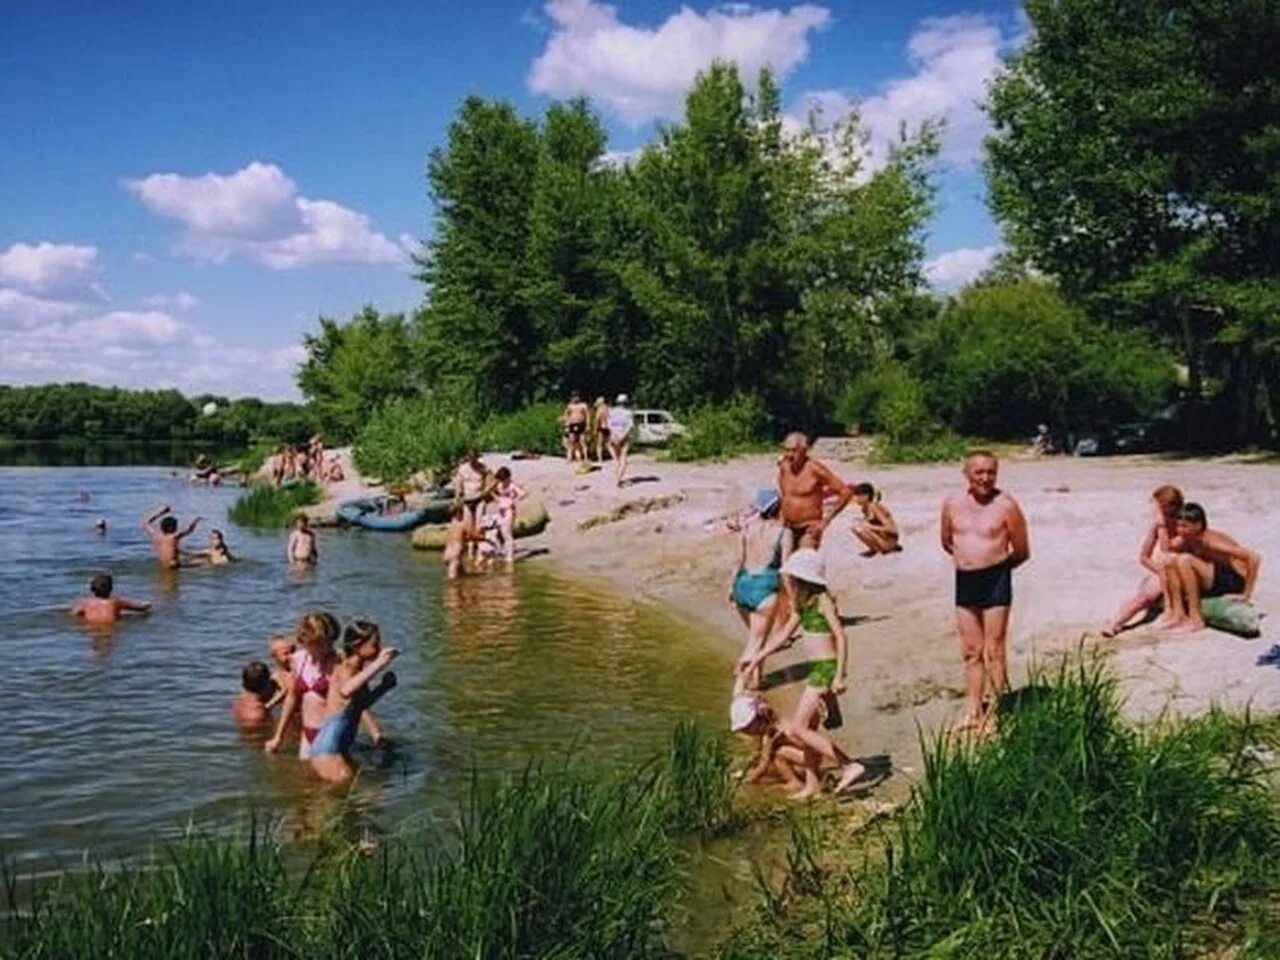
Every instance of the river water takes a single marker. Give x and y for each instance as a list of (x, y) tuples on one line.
[(113, 740)]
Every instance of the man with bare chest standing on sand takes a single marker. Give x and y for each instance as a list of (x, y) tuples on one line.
[(803, 484), (985, 532)]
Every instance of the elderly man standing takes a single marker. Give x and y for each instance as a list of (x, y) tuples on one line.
[(804, 484)]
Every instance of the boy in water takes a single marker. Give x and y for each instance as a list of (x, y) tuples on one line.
[(165, 539), (302, 542), (258, 696), (1209, 564), (101, 607)]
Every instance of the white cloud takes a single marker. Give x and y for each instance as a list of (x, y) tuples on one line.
[(177, 301), (643, 73), (23, 309), (953, 59), (957, 267), (50, 267), (258, 214)]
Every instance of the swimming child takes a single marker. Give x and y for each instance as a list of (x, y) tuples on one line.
[(100, 526), (1156, 550), (879, 531), (165, 540), (101, 607), (259, 694), (776, 753), (216, 554), (312, 665), (506, 494), (350, 695), (826, 648), (756, 579), (302, 542)]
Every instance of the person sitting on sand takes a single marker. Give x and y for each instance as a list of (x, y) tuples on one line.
[(301, 547), (620, 423), (600, 428), (216, 554), (757, 577), (349, 697), (166, 540), (100, 607), (1155, 551), (878, 530), (1209, 563), (252, 705), (777, 753), (334, 472), (826, 649)]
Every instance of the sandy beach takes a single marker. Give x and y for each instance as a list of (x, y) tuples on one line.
[(661, 539)]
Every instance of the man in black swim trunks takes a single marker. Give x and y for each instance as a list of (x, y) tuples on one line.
[(985, 532), (575, 418), (1208, 564)]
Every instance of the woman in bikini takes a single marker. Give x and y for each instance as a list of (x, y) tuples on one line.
[(756, 579), (350, 695), (878, 531), (311, 665), (1155, 552), (825, 647)]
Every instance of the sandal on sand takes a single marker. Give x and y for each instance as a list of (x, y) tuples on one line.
[(1271, 657), (850, 774)]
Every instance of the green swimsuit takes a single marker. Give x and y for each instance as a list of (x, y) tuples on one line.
[(822, 673)]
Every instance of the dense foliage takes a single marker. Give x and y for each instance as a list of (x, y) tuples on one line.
[(83, 411), (1136, 158), (267, 506)]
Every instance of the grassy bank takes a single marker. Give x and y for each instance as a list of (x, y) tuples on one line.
[(558, 862), (1072, 834), (267, 506)]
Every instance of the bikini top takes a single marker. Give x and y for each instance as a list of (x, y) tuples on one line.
[(812, 619), (308, 677)]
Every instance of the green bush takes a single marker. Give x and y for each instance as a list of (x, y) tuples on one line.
[(406, 436), (536, 429), (717, 431), (267, 506), (942, 446), (1006, 357)]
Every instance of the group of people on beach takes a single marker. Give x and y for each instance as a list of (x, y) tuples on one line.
[(607, 428), (482, 517), (298, 463)]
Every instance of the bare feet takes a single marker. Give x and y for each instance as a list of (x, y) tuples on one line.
[(850, 774), (807, 792), (1188, 626)]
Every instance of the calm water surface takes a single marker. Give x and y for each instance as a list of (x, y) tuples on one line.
[(112, 740)]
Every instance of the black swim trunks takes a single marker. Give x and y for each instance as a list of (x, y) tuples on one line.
[(981, 589), (576, 429), (1226, 581)]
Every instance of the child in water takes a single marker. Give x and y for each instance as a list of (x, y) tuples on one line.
[(457, 535), (878, 531), (281, 650), (100, 607), (349, 696), (302, 542), (311, 666), (253, 704), (216, 554)]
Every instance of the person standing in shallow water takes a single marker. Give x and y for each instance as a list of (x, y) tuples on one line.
[(166, 537), (100, 607), (985, 533)]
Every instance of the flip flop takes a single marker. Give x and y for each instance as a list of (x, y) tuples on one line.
[(1271, 657)]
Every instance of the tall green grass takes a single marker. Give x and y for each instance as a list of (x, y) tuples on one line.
[(264, 505), (1072, 834), (556, 862)]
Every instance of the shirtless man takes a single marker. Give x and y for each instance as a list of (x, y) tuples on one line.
[(101, 607), (1208, 564), (301, 547), (166, 539), (985, 532), (804, 484), (576, 416)]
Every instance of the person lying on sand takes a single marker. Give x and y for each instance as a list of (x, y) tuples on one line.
[(301, 547), (167, 538), (878, 530), (100, 607), (350, 695), (1209, 563), (253, 704), (1155, 551), (777, 753)]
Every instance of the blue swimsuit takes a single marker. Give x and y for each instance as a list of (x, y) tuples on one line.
[(751, 588)]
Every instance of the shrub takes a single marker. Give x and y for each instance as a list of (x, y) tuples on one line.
[(536, 428), (267, 506), (941, 446), (406, 436), (717, 431)]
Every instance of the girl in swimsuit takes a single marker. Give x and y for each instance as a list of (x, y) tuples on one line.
[(756, 579), (312, 666), (878, 530), (505, 497), (217, 554), (825, 647), (350, 696), (1157, 549)]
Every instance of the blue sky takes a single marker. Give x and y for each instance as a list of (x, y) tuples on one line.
[(184, 189)]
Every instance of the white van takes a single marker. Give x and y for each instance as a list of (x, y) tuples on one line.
[(656, 427)]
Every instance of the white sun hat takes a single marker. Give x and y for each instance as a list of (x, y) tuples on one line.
[(806, 564), (743, 711), (622, 400)]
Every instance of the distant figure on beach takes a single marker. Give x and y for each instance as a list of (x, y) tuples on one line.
[(757, 576), (984, 531), (350, 695), (216, 554), (167, 538), (251, 706), (1154, 553), (804, 484), (100, 607), (1209, 563), (878, 530), (600, 428), (825, 647), (333, 472), (575, 417), (301, 547), (506, 496), (620, 423)]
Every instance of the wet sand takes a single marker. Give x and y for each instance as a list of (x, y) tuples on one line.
[(661, 540)]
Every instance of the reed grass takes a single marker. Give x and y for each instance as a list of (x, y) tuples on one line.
[(268, 506), (1072, 834), (555, 862)]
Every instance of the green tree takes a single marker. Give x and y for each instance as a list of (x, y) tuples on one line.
[(1136, 158)]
